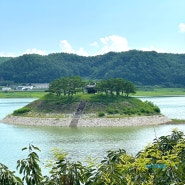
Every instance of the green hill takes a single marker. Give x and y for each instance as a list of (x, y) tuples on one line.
[(97, 104), (4, 59), (142, 68)]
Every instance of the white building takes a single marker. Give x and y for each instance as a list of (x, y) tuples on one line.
[(24, 88), (6, 89)]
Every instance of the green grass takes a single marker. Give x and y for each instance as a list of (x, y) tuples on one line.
[(22, 94), (153, 91), (21, 111), (144, 91), (178, 121), (98, 104)]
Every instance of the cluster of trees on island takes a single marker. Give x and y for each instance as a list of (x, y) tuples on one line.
[(72, 85), (142, 68), (160, 163)]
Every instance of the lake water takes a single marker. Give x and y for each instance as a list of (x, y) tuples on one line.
[(172, 107), (81, 142)]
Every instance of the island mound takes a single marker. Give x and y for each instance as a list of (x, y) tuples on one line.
[(87, 110)]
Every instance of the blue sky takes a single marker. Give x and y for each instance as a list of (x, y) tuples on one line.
[(91, 27)]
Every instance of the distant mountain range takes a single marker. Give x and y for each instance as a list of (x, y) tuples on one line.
[(140, 67)]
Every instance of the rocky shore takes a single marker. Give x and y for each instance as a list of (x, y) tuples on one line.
[(88, 121)]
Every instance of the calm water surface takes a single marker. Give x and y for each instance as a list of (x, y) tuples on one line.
[(81, 142), (172, 107)]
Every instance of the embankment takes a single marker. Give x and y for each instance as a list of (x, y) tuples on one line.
[(86, 121)]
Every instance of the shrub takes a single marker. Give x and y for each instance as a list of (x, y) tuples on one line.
[(110, 111), (116, 111), (101, 114), (21, 111), (160, 163), (156, 109)]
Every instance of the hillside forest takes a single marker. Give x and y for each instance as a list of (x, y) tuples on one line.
[(143, 68)]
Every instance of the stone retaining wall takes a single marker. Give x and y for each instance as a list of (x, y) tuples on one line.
[(88, 122)]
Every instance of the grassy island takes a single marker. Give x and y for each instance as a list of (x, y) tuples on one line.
[(106, 103), (72, 95), (87, 110), (100, 105)]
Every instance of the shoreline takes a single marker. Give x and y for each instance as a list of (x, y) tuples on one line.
[(88, 121)]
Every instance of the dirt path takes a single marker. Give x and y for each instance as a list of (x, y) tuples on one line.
[(78, 113)]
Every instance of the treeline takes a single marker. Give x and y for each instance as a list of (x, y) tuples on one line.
[(4, 59), (72, 85), (160, 163), (142, 68)]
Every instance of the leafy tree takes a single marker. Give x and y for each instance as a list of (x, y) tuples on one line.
[(160, 163), (8, 177), (30, 168), (129, 88), (56, 86), (103, 86), (74, 85), (64, 172), (68, 86), (117, 85)]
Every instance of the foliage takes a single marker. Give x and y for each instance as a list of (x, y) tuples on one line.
[(117, 85), (30, 168), (140, 67), (21, 111), (96, 103), (72, 85), (160, 163), (101, 114), (8, 177), (146, 91), (64, 172), (67, 86), (4, 59)]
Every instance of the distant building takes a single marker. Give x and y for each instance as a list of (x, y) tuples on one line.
[(24, 88), (6, 89), (91, 88), (36, 86), (41, 85)]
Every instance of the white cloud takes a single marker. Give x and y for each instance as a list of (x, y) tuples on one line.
[(182, 27), (104, 45), (67, 48), (6, 54), (82, 52), (114, 43), (34, 51)]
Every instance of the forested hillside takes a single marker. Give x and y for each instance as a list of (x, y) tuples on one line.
[(142, 68), (4, 59)]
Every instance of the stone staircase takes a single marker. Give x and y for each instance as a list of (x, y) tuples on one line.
[(78, 113)]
